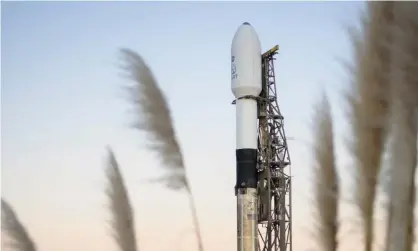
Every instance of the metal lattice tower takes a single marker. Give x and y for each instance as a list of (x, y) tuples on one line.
[(274, 172)]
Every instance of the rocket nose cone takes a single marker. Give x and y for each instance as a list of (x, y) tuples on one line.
[(245, 34), (246, 23)]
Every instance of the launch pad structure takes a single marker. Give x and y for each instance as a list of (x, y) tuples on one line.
[(273, 166)]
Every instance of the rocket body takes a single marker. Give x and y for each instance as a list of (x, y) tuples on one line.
[(246, 84)]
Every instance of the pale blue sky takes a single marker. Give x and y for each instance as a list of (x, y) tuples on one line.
[(62, 103)]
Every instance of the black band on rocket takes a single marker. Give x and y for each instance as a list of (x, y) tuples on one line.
[(246, 168)]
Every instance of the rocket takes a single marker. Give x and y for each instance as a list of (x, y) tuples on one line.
[(246, 86)]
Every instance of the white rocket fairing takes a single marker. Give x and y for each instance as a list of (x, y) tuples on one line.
[(246, 86)]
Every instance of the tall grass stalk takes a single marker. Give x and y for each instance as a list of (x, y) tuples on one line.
[(122, 223), (369, 105), (326, 189), (154, 118), (404, 127), (20, 240)]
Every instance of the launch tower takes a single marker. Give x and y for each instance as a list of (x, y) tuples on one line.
[(274, 172)]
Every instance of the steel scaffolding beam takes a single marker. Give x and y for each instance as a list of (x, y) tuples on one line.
[(274, 171)]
